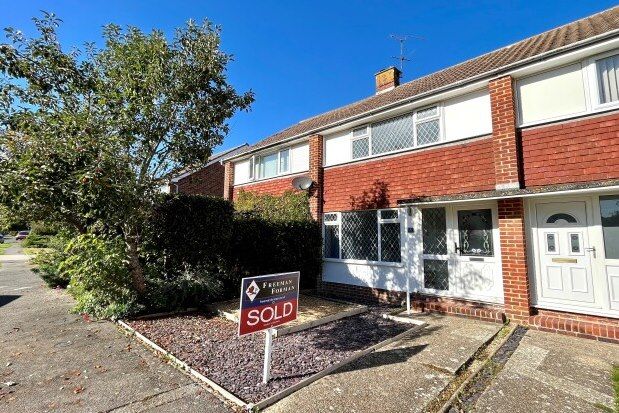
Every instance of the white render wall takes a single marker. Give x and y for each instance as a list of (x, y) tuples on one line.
[(465, 116), (241, 172), (386, 277)]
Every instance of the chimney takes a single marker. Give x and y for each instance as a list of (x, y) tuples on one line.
[(387, 79)]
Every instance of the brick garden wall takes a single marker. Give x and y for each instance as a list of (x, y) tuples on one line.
[(574, 151)]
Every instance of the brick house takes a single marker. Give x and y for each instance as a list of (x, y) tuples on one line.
[(208, 180), (488, 189)]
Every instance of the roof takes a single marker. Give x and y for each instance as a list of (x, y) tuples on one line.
[(489, 64), (217, 157)]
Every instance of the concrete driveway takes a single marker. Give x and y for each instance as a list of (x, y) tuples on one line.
[(56, 361), (554, 373)]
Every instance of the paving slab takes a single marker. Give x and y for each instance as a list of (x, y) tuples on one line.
[(553, 373), (402, 377), (60, 362)]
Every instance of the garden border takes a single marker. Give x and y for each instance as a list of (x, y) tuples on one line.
[(277, 396)]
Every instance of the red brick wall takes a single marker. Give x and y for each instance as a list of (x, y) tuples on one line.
[(504, 134), (516, 291), (572, 151), (380, 183), (228, 180), (275, 186), (206, 181), (316, 174)]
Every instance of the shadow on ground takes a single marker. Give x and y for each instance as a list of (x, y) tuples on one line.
[(5, 299)]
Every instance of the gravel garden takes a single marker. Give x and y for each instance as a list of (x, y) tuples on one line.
[(210, 345)]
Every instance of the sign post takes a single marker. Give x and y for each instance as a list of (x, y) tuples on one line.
[(268, 301)]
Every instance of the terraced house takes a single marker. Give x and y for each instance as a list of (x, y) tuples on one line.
[(488, 189)]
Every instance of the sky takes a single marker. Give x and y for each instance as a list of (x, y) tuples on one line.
[(303, 58)]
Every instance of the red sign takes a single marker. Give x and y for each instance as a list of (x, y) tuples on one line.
[(268, 301)]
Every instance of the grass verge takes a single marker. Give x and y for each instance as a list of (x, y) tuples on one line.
[(4, 247)]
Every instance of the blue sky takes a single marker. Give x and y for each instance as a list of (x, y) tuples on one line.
[(302, 58)]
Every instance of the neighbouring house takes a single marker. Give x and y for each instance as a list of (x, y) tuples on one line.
[(488, 189), (208, 180)]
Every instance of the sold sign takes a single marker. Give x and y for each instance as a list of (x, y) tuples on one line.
[(268, 301)]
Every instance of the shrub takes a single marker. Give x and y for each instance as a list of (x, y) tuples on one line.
[(290, 206), (48, 262), (100, 281), (36, 241), (44, 228), (186, 246)]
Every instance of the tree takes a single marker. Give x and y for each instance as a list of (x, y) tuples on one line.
[(88, 137)]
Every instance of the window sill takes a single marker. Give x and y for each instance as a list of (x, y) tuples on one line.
[(364, 262)]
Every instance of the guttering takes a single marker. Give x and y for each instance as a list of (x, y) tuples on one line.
[(523, 194), (461, 83)]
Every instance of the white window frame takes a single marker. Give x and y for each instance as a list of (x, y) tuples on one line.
[(439, 115), (256, 170), (367, 135), (594, 87), (379, 220)]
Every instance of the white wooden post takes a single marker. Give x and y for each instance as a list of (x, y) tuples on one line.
[(268, 343)]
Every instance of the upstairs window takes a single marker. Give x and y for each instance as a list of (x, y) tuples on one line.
[(428, 128), (273, 164), (401, 132), (608, 78), (360, 143)]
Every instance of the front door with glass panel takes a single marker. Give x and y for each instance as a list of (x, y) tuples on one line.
[(564, 253), (460, 252)]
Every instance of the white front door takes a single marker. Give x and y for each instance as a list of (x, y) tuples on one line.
[(564, 253)]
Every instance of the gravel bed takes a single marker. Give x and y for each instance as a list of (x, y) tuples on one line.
[(211, 346)]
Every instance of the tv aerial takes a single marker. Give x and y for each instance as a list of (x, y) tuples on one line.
[(402, 38)]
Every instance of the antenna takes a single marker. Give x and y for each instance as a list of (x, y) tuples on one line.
[(402, 38)]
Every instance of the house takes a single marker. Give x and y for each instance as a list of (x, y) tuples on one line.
[(488, 189), (208, 180)]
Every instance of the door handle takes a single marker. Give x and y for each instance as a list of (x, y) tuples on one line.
[(591, 249), (457, 248)]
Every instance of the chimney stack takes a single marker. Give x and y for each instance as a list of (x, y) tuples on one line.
[(387, 79)]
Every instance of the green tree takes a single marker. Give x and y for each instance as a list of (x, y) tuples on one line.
[(87, 137)]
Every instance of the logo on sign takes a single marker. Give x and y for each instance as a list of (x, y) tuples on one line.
[(252, 291)]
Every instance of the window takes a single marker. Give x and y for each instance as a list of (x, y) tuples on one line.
[(397, 133), (268, 166), (393, 134), (575, 243), (360, 143), (475, 228), (332, 235), (609, 210), (436, 274), (551, 243), (434, 231), (363, 235), (608, 81), (428, 128), (284, 161)]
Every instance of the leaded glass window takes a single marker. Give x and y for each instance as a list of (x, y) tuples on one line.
[(332, 241), (359, 235), (434, 229), (608, 78), (393, 134), (390, 250), (475, 229), (435, 274), (360, 148), (428, 127)]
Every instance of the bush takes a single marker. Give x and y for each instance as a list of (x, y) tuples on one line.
[(44, 228), (36, 241), (48, 262), (100, 281), (186, 246)]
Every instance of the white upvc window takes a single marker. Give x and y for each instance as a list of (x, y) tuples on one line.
[(406, 131), (604, 74), (270, 165), (363, 236)]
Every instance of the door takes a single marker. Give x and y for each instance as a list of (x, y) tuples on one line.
[(564, 253), (476, 245)]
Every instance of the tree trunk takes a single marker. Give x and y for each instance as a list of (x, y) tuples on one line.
[(135, 267)]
